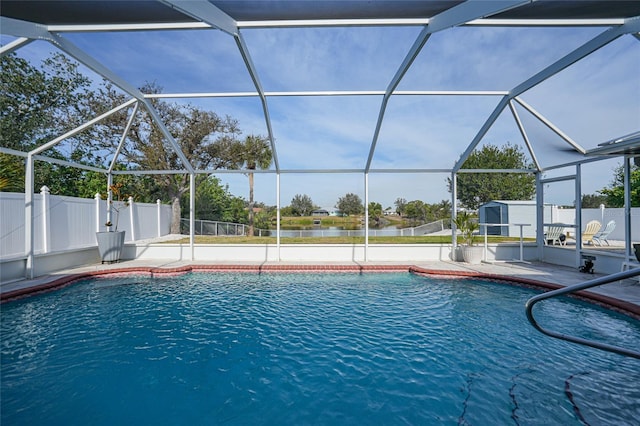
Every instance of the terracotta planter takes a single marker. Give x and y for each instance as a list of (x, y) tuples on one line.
[(110, 245), (472, 254)]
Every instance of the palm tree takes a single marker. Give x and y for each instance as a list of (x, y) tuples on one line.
[(254, 153)]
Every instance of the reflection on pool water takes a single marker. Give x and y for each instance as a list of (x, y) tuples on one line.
[(275, 349)]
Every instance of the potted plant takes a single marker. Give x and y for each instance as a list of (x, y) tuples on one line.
[(471, 253), (111, 242)]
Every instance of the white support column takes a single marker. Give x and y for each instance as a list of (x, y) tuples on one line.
[(159, 216), (132, 221), (109, 199), (627, 208), (97, 199), (578, 191), (539, 215), (366, 217), (28, 216), (192, 209), (278, 214), (454, 212), (46, 219)]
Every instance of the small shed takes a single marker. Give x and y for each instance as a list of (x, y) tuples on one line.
[(508, 213)]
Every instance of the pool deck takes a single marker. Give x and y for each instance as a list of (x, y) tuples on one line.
[(627, 292)]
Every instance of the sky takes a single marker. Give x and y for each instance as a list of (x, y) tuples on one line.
[(593, 101)]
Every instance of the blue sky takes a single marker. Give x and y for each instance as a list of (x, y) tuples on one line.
[(593, 101)]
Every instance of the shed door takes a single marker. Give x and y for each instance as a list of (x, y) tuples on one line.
[(492, 215)]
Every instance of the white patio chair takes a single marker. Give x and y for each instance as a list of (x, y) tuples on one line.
[(592, 228), (602, 235), (553, 234)]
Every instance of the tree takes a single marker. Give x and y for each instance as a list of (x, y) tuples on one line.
[(416, 210), (206, 139), (593, 201), (441, 210), (254, 153), (475, 189), (215, 202), (37, 105), (615, 192), (11, 173), (350, 204), (400, 204), (375, 213), (301, 205)]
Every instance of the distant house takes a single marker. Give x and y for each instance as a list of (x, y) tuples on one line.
[(326, 212)]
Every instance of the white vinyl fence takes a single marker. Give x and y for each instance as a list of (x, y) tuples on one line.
[(602, 215), (63, 223)]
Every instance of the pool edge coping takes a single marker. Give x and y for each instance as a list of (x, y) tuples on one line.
[(627, 308)]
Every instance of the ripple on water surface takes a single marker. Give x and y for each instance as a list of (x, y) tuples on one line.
[(309, 348)]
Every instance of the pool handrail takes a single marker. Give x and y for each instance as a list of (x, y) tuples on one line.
[(572, 289)]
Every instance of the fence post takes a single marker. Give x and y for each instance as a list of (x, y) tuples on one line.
[(131, 217), (46, 219), (159, 216), (98, 198)]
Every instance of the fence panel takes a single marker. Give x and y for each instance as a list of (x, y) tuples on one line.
[(11, 224), (72, 222)]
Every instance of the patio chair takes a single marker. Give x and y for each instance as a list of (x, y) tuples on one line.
[(592, 228), (554, 232), (601, 236)]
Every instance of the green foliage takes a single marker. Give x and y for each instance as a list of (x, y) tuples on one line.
[(420, 211), (350, 204), (11, 173), (468, 226), (301, 205), (215, 202), (593, 201), (265, 217), (400, 204), (475, 189), (375, 213), (37, 104), (287, 211), (253, 153), (615, 192), (415, 210)]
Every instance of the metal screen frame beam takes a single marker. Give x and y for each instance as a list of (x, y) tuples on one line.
[(457, 15), (601, 40)]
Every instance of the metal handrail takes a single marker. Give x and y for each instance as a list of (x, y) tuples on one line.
[(572, 289)]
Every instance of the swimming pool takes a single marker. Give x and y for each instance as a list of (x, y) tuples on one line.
[(272, 349)]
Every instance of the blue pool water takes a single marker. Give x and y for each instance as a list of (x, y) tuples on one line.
[(291, 349)]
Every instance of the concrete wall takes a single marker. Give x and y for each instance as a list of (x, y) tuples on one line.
[(14, 268)]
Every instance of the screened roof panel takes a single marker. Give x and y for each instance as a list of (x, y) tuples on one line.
[(596, 99), (490, 58), (329, 58), (581, 76), (323, 132), (429, 132), (179, 61)]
